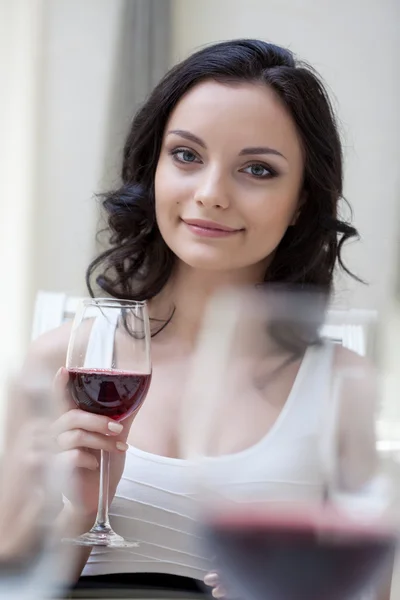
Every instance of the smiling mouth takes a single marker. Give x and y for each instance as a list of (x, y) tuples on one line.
[(209, 228)]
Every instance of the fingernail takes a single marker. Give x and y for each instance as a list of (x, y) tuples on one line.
[(115, 427), (122, 446), (211, 579)]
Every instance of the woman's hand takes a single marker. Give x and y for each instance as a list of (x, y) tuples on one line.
[(80, 436), (213, 581)]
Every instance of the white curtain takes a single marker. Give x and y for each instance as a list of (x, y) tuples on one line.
[(141, 60)]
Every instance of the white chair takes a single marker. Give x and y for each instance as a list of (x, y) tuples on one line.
[(352, 329), (51, 310)]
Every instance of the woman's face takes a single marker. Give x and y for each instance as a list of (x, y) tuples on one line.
[(229, 176)]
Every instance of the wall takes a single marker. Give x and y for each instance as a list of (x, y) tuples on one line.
[(20, 34), (79, 54), (355, 46), (73, 74)]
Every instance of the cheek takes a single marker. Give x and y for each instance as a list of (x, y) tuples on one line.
[(161, 186), (168, 199), (273, 214), (169, 186), (164, 197)]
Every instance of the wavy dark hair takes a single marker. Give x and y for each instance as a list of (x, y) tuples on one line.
[(138, 263)]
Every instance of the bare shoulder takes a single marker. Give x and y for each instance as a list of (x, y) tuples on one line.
[(49, 351)]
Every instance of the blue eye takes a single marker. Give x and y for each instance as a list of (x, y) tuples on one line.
[(259, 171), (183, 155)]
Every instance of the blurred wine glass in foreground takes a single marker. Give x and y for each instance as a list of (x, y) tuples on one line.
[(295, 501), (33, 562)]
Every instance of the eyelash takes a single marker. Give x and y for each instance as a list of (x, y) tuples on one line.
[(177, 151), (271, 172)]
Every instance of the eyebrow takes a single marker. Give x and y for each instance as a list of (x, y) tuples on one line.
[(261, 150), (246, 151), (188, 136)]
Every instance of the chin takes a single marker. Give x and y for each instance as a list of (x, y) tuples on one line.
[(210, 261), (207, 264)]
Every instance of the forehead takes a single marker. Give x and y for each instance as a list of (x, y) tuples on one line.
[(241, 114)]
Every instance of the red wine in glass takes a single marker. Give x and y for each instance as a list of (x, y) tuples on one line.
[(314, 556), (114, 394), (109, 365)]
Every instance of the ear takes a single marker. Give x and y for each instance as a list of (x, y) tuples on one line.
[(300, 204)]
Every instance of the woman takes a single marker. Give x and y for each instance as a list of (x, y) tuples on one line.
[(231, 174)]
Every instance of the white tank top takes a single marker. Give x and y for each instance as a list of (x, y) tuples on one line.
[(154, 503)]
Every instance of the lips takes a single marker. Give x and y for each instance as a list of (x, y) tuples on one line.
[(211, 225), (209, 229)]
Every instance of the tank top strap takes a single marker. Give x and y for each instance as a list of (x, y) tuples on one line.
[(308, 400), (303, 415), (312, 406), (309, 409)]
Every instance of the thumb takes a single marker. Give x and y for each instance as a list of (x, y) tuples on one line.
[(61, 392)]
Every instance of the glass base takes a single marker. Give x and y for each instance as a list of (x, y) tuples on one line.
[(101, 536)]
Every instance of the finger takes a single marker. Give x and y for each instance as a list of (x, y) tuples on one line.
[(78, 459), (211, 579), (61, 392), (79, 438), (79, 419), (219, 592)]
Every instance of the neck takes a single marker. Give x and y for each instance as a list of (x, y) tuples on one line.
[(188, 293)]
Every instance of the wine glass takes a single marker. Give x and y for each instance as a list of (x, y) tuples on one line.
[(109, 365), (296, 501)]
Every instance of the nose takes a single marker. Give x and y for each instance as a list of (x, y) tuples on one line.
[(213, 192)]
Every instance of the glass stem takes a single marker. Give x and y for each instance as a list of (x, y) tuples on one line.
[(102, 523)]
